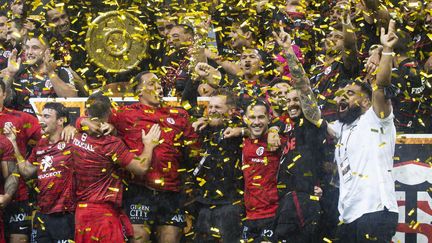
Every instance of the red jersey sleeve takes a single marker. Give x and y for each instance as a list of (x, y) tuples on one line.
[(6, 150), (31, 127), (119, 152)]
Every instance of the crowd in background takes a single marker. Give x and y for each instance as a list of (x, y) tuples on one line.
[(253, 54)]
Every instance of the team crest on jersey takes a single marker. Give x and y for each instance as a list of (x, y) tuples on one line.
[(170, 120), (48, 84), (61, 145), (328, 70), (260, 151), (6, 54), (46, 163)]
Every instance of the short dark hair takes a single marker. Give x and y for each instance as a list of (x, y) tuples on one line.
[(365, 87), (60, 110), (231, 99), (2, 85), (137, 80), (259, 102), (98, 105)]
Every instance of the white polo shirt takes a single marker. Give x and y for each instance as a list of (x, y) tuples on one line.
[(364, 155)]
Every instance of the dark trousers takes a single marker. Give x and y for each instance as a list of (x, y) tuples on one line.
[(297, 218), (219, 223), (374, 227)]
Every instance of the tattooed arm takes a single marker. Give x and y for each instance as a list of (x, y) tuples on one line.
[(10, 172), (300, 80)]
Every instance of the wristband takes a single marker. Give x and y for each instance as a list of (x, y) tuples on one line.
[(242, 132), (387, 53)]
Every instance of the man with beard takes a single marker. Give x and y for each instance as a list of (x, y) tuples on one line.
[(156, 199), (51, 163), (340, 63), (219, 173), (260, 168), (37, 76), (99, 181), (278, 91), (299, 174), (366, 138), (300, 167)]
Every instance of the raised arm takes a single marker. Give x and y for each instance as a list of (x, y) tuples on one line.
[(300, 80), (230, 67), (25, 168), (349, 54), (61, 88), (381, 105)]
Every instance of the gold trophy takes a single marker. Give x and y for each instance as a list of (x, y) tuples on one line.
[(117, 41)]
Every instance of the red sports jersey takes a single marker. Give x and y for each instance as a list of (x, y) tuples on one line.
[(260, 168), (176, 132), (6, 154), (97, 161), (54, 176), (28, 131)]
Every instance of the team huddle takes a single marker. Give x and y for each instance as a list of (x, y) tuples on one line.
[(120, 173)]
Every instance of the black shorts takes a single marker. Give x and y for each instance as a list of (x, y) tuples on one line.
[(56, 227), (17, 218), (258, 230), (297, 218), (143, 205), (219, 222)]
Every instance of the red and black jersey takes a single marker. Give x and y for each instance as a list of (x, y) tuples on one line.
[(55, 185), (6, 154), (97, 163), (28, 132), (27, 126), (177, 132), (29, 85), (303, 156), (260, 169)]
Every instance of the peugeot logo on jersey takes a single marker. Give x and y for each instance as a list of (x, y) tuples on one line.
[(46, 163), (260, 151)]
